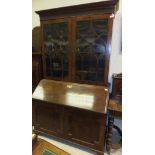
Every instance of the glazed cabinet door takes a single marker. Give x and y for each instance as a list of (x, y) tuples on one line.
[(92, 34), (77, 49), (55, 45)]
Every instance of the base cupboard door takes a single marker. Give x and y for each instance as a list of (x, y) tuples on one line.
[(48, 119), (84, 127)]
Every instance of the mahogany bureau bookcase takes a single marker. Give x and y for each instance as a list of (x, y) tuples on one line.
[(75, 48)]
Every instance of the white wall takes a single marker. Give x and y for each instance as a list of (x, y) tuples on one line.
[(116, 53), (116, 56)]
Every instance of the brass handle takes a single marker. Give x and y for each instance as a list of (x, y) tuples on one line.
[(96, 142), (70, 134)]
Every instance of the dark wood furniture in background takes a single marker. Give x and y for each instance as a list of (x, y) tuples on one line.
[(36, 69), (76, 112), (116, 87), (36, 46), (37, 73), (76, 42), (115, 111)]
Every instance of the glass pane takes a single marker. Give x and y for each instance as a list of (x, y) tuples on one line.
[(91, 40), (56, 49)]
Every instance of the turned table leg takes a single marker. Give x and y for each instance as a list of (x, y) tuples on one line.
[(109, 134), (117, 146)]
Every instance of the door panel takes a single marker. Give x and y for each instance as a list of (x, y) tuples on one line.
[(49, 118), (83, 126), (91, 50), (56, 50)]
